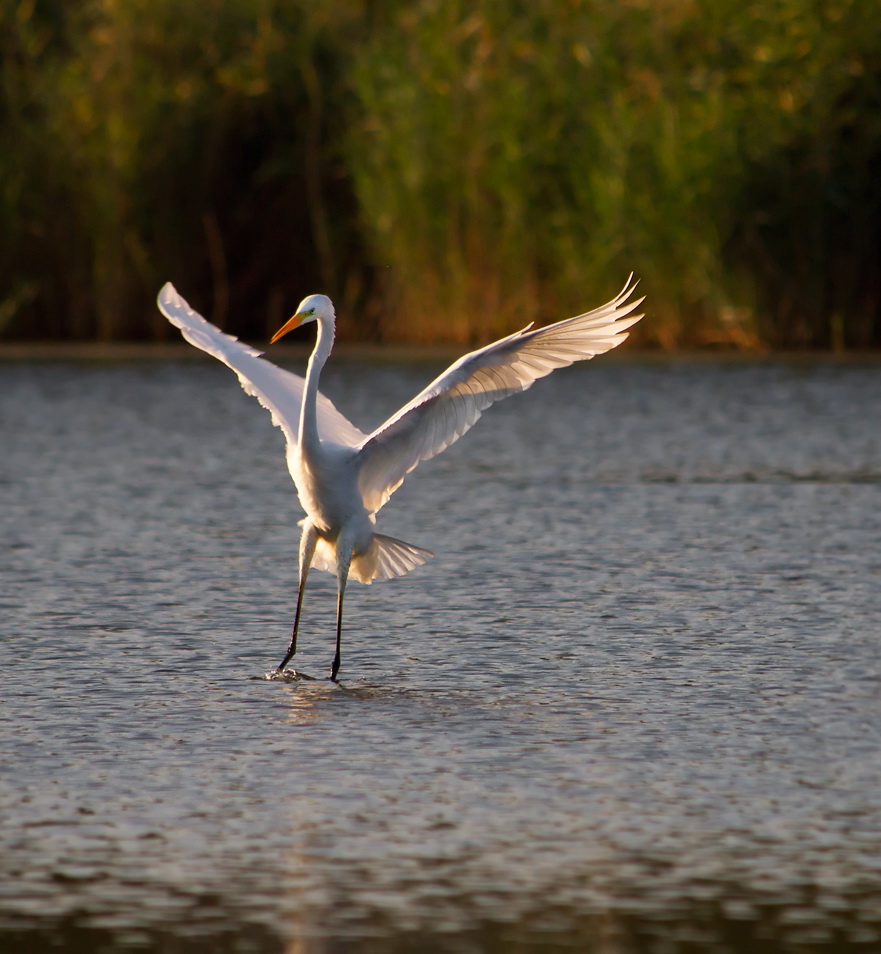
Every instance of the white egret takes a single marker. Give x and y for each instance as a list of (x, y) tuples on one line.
[(343, 477)]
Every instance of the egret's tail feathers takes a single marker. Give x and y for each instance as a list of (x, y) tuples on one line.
[(394, 557), (387, 558), (384, 559)]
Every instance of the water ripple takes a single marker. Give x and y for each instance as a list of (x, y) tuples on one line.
[(632, 705)]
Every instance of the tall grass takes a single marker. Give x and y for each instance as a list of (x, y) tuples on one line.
[(182, 141), (516, 164), (446, 170)]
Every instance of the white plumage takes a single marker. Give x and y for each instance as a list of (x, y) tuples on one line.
[(343, 476)]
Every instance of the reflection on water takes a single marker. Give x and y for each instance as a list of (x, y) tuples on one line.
[(307, 700), (736, 925), (632, 705)]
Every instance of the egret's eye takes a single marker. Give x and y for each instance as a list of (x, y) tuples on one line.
[(310, 312)]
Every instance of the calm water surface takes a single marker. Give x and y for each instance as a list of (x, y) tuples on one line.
[(633, 705)]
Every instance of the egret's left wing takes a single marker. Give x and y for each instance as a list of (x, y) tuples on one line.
[(452, 403), (279, 391)]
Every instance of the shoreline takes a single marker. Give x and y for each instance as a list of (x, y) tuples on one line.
[(125, 352)]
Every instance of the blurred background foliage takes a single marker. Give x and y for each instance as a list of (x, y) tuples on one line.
[(445, 170)]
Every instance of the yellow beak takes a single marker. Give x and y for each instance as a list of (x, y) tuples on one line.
[(285, 328)]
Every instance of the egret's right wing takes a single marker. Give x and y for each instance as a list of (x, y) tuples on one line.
[(452, 403), (279, 391)]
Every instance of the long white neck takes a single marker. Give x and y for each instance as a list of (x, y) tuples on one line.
[(308, 436)]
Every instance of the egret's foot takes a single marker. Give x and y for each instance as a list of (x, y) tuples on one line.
[(284, 675)]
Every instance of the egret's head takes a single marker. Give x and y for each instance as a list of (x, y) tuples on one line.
[(313, 308)]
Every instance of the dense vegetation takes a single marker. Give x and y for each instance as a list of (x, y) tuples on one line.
[(446, 170)]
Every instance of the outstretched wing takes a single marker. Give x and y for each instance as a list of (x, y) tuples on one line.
[(279, 391), (452, 403)]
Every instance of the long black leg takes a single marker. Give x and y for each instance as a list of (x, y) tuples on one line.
[(293, 646), (308, 541), (335, 668)]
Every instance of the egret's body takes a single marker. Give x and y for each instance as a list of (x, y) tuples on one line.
[(343, 476)]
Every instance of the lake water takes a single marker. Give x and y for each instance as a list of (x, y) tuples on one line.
[(633, 704)]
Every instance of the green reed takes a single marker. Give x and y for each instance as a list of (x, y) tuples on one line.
[(446, 170)]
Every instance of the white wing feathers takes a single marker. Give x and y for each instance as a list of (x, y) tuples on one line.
[(279, 391), (452, 403), (437, 416)]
